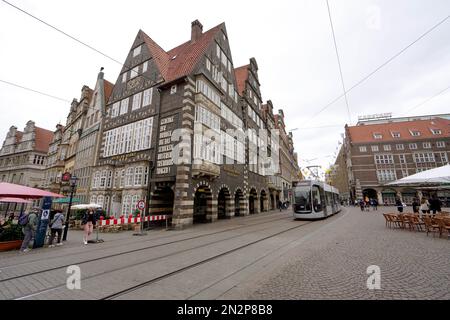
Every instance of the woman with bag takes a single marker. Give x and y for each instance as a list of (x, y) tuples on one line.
[(56, 227)]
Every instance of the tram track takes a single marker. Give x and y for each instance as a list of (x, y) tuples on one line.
[(146, 261), (103, 248)]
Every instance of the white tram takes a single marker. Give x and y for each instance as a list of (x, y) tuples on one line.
[(315, 200)]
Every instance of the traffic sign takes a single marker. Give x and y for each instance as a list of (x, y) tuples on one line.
[(141, 205), (66, 177)]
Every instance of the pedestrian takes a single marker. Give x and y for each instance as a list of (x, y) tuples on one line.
[(435, 204), (361, 204), (415, 205), (89, 220), (399, 205), (56, 227), (29, 225), (280, 205), (375, 204), (424, 205)]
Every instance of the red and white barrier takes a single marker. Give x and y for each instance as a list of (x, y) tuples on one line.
[(112, 222)]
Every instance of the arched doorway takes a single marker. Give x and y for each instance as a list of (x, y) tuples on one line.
[(202, 204), (238, 203), (253, 197), (263, 201), (223, 198), (272, 202), (370, 193)]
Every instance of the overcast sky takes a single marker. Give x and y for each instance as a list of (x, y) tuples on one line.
[(291, 41)]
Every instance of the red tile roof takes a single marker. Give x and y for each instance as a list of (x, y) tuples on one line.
[(180, 61), (364, 133), (43, 138), (108, 88), (241, 75)]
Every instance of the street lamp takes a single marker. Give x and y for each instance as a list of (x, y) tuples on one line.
[(73, 184)]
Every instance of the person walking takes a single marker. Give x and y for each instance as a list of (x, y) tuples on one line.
[(56, 227), (415, 205), (29, 225), (435, 204), (280, 205), (424, 205), (375, 204), (361, 204), (399, 205), (89, 220)]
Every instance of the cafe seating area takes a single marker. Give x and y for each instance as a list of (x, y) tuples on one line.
[(436, 224)]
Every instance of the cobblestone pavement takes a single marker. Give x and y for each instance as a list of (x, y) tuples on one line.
[(332, 264), (324, 259)]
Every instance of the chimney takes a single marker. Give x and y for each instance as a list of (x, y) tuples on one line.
[(196, 30)]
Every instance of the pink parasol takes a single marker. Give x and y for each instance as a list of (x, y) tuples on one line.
[(23, 192), (14, 200)]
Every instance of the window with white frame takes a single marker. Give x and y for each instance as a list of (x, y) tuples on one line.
[(206, 149), (129, 177), (144, 66), (93, 199), (208, 64), (138, 171), (413, 146), (134, 200), (387, 147), (101, 200), (384, 159), (132, 137), (209, 119), (402, 158), (384, 175), (440, 144), (124, 106), (362, 149), (399, 146), (173, 89), (137, 51), (415, 133), (136, 101), (374, 148), (103, 179), (145, 176), (395, 134), (436, 131), (115, 109), (208, 91), (122, 178), (426, 145), (377, 135), (124, 77), (423, 157), (134, 72), (126, 205), (147, 100)]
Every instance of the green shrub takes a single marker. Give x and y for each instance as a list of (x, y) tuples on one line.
[(11, 232)]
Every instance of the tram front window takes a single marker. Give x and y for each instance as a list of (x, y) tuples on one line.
[(302, 198)]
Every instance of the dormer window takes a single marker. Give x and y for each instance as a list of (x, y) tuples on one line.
[(137, 51), (395, 134), (415, 133), (173, 89), (436, 131), (377, 135)]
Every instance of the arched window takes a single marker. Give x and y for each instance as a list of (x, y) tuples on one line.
[(100, 200), (93, 199)]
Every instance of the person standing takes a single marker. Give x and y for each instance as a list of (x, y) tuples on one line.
[(435, 204), (424, 205), (399, 205), (29, 228), (415, 205), (56, 227), (89, 220)]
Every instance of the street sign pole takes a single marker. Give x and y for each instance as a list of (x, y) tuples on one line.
[(141, 206)]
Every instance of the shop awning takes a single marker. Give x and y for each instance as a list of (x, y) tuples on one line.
[(11, 190)]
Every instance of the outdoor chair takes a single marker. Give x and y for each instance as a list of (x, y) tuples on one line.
[(444, 226), (388, 221), (404, 218), (430, 226), (395, 220), (417, 223)]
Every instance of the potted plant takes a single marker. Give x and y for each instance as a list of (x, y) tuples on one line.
[(11, 236)]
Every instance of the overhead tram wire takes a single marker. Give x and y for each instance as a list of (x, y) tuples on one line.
[(35, 91), (71, 37), (339, 62), (425, 101), (381, 66)]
